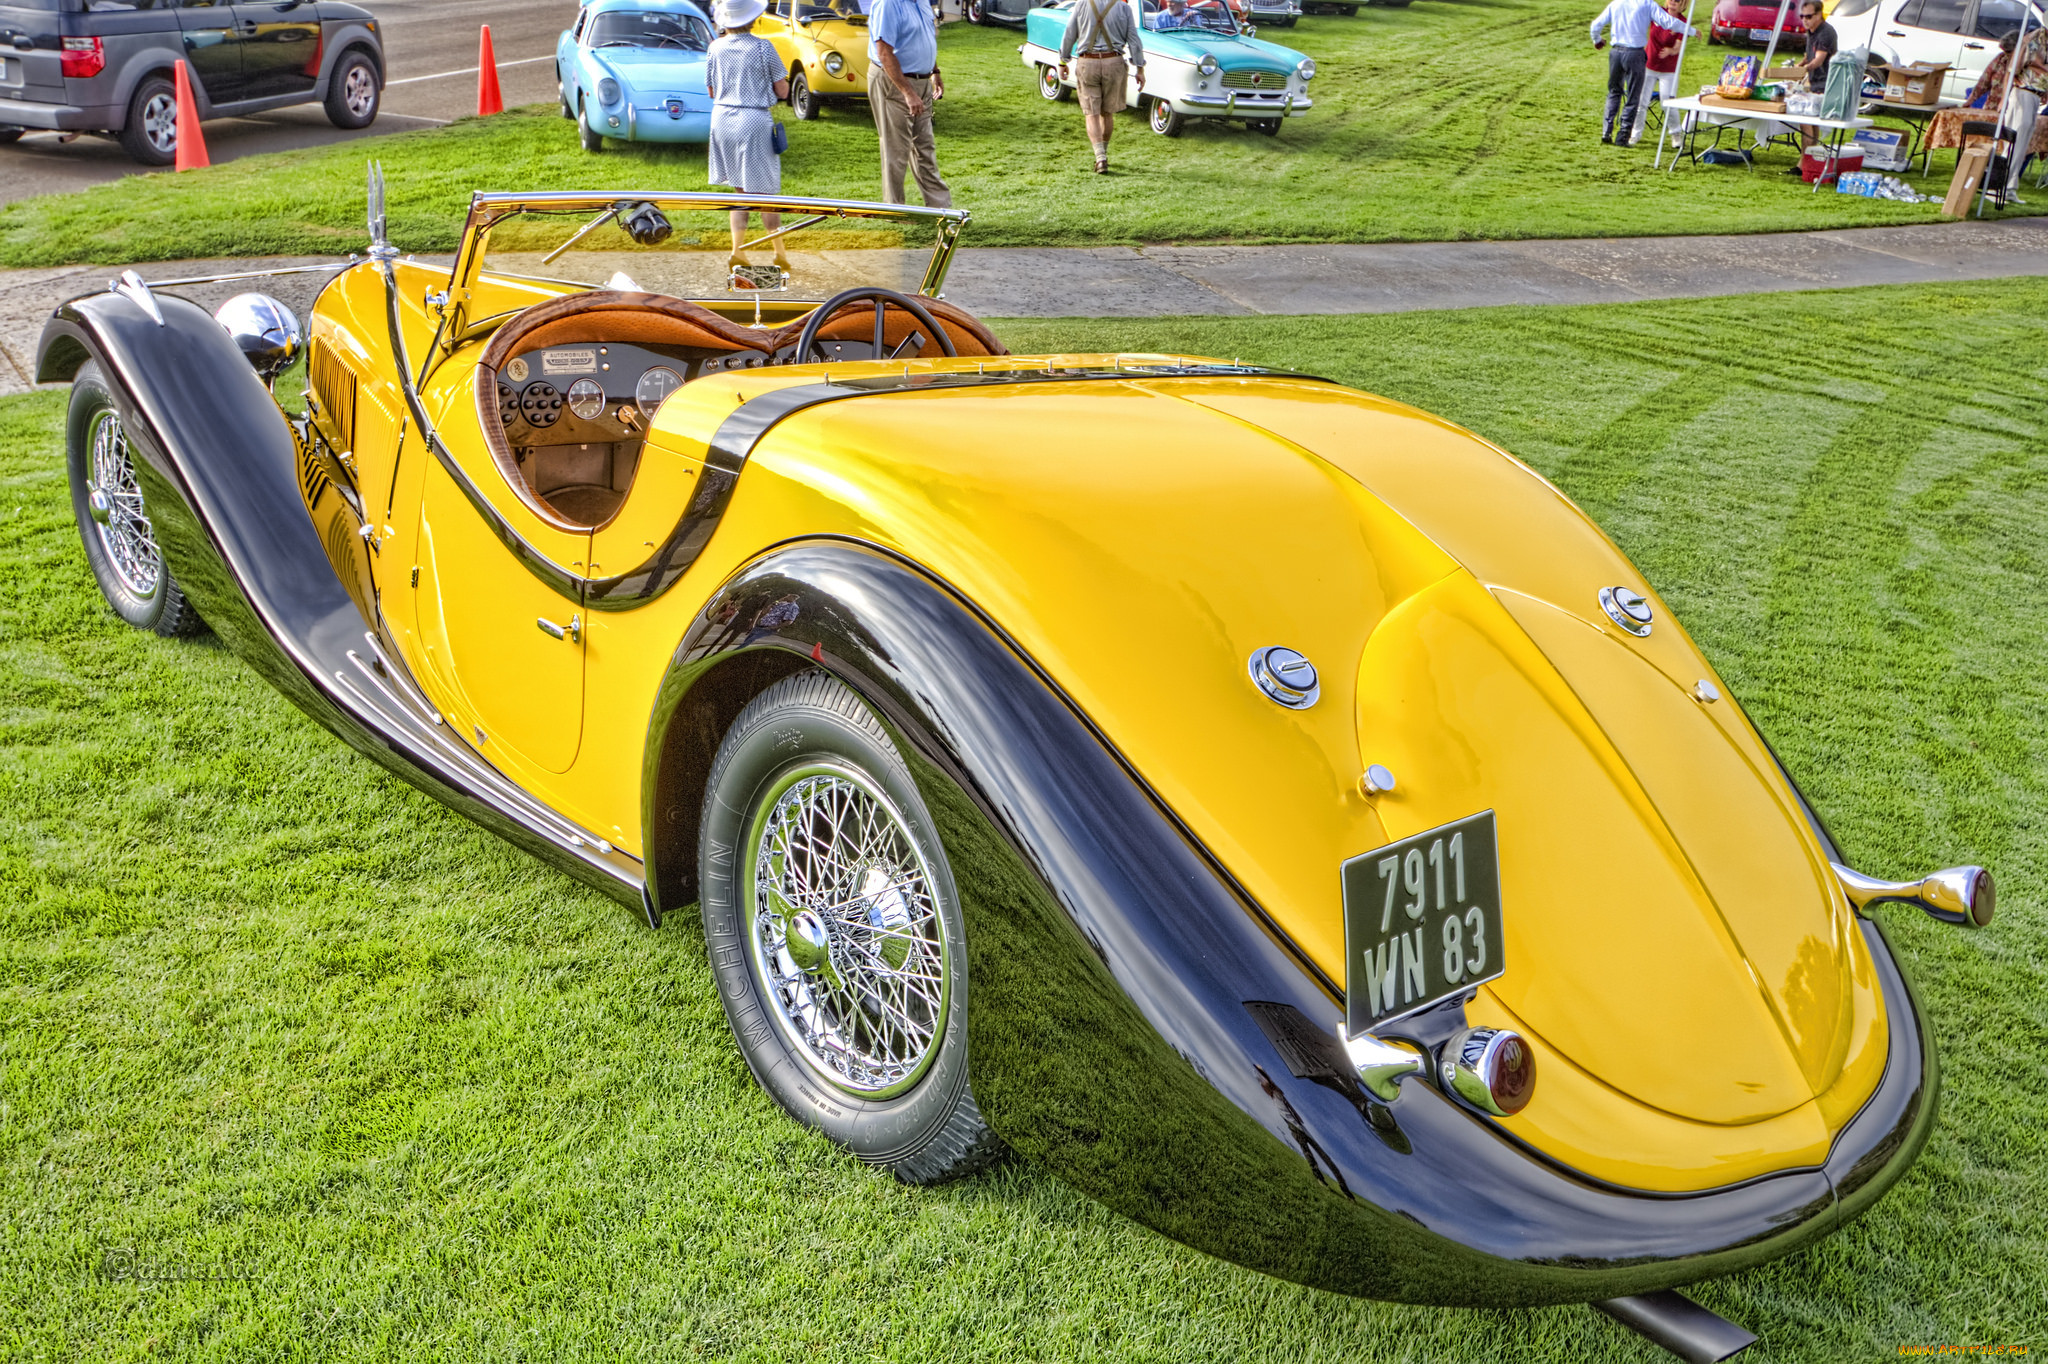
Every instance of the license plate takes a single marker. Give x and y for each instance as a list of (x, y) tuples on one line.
[(1759, 35), (5, 79), (1422, 921)]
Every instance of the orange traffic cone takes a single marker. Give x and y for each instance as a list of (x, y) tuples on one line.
[(191, 145), (488, 100)]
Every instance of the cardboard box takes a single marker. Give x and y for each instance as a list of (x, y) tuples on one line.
[(1916, 84), (1962, 191), (1786, 73), (1883, 148)]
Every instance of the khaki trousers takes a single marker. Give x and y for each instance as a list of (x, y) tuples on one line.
[(907, 142)]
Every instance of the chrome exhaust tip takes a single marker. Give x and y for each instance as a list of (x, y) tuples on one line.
[(1680, 1325), (1963, 896)]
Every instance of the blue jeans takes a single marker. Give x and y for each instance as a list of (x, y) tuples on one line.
[(1625, 68)]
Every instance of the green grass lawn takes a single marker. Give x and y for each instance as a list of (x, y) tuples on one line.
[(1448, 119), (273, 1017)]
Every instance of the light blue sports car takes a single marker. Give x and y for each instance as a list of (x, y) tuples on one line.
[(1200, 62), (634, 70)]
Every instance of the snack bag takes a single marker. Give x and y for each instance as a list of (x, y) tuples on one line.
[(1741, 72)]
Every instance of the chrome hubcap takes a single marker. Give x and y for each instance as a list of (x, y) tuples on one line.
[(846, 937), (160, 122), (116, 504), (358, 90)]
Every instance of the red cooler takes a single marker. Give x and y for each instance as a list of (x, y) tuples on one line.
[(1816, 163)]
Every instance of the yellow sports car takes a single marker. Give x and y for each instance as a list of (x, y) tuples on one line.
[(1275, 810), (824, 47)]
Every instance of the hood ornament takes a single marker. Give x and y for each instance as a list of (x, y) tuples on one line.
[(1627, 608), (380, 249), (1285, 676)]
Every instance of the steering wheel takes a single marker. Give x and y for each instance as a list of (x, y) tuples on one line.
[(884, 299)]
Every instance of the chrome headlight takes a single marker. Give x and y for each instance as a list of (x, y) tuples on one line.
[(834, 63), (1207, 66), (608, 91), (1307, 69)]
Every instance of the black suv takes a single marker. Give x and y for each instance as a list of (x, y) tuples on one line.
[(105, 66)]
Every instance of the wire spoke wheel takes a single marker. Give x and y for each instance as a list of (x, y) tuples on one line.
[(845, 937), (124, 532)]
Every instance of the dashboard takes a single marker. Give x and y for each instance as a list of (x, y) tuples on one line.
[(599, 390)]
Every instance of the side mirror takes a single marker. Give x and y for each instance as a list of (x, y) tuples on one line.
[(266, 331), (772, 279), (1963, 896)]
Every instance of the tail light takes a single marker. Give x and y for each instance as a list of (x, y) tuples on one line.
[(83, 57), (1490, 1068)]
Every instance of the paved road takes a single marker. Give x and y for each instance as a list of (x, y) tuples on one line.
[(1244, 280), (431, 47)]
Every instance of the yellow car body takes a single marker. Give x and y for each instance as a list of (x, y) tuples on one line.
[(824, 48), (1730, 1061)]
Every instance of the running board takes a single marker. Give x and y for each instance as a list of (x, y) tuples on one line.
[(384, 689), (1680, 1325)]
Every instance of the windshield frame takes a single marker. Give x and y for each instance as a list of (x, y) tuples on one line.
[(486, 210), (688, 20), (1220, 7)]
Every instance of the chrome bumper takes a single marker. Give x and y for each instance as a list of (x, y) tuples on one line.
[(1237, 104)]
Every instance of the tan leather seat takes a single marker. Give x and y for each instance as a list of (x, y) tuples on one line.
[(857, 323)]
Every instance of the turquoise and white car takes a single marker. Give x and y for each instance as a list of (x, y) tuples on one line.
[(634, 70), (1199, 64)]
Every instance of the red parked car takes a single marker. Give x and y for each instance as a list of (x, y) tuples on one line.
[(1736, 22)]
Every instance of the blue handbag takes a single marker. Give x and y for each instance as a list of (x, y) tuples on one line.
[(779, 139)]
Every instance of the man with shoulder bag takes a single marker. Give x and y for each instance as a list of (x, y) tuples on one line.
[(1096, 38)]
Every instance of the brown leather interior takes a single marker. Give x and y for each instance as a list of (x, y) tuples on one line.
[(574, 494), (578, 486)]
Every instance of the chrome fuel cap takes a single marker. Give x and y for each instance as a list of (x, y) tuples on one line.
[(1284, 675), (1627, 608)]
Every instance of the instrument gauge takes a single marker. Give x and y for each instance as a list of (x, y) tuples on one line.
[(654, 386), (540, 404), (586, 398)]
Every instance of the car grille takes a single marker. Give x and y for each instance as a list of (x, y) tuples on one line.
[(1269, 82)]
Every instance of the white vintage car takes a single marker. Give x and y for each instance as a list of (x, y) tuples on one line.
[(1198, 64)]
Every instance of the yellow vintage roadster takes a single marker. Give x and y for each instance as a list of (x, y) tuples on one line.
[(1275, 810)]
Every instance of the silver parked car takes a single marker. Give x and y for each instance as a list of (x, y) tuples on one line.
[(105, 66)]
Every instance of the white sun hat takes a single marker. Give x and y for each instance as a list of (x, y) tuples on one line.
[(737, 13)]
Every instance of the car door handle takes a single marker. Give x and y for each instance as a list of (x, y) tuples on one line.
[(1893, 33), (572, 632), (1974, 47)]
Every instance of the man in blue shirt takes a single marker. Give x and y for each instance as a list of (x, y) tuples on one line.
[(903, 84), (1630, 21)]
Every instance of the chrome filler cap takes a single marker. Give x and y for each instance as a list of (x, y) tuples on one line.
[(1627, 608), (1284, 675)]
